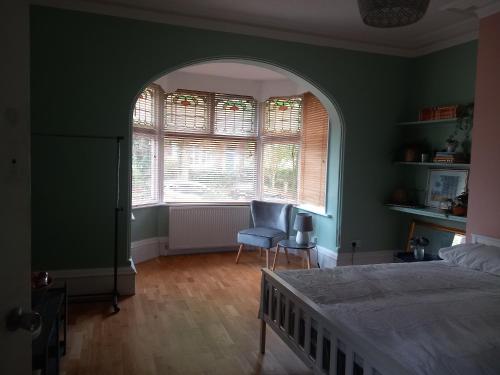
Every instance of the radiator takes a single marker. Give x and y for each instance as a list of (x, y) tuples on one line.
[(205, 227)]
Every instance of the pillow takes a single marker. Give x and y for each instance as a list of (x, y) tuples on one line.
[(475, 256)]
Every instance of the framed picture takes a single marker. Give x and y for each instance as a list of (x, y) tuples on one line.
[(445, 184)]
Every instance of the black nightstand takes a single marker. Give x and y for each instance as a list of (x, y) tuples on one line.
[(406, 257)]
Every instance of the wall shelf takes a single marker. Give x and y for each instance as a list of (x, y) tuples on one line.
[(434, 165), (428, 212), (429, 122)]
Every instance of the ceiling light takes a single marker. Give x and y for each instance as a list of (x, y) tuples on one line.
[(392, 13)]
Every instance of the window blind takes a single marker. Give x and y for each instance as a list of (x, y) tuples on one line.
[(280, 148), (213, 151), (235, 115), (144, 110), (144, 169), (202, 169), (280, 171), (313, 153), (187, 112), (283, 116)]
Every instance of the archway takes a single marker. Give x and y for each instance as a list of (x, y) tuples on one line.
[(330, 221)]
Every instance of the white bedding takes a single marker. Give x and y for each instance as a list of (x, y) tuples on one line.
[(432, 317)]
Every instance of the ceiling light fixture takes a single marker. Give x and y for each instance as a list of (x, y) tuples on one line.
[(392, 13)]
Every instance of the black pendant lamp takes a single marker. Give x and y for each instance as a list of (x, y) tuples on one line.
[(392, 13)]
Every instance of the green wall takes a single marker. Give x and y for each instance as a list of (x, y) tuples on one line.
[(440, 78), (86, 70), (150, 221)]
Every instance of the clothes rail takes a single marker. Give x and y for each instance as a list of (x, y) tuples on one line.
[(114, 293)]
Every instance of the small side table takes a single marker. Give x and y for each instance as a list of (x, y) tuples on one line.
[(292, 244)]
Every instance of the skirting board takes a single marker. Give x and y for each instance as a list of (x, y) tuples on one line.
[(143, 250), (96, 280), (327, 258), (201, 251), (151, 248)]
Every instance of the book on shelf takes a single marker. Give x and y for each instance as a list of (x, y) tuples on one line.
[(449, 157), (438, 113)]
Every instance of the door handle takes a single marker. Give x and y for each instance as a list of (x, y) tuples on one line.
[(30, 321)]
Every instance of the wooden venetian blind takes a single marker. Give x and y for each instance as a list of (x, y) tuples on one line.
[(313, 153)]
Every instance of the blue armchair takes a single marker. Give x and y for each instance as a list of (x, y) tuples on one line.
[(271, 224)]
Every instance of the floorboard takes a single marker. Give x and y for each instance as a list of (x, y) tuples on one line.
[(192, 314)]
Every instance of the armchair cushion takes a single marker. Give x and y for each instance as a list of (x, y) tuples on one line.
[(271, 215), (261, 237)]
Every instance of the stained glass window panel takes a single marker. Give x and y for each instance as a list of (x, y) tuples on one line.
[(283, 116), (235, 115), (187, 112), (144, 110)]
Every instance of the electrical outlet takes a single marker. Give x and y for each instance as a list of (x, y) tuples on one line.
[(356, 244), (314, 239)]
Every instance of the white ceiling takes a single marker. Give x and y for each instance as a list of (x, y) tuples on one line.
[(234, 70), (325, 22)]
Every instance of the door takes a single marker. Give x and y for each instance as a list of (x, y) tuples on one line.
[(15, 346)]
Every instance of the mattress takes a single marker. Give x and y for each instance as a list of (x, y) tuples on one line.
[(431, 317)]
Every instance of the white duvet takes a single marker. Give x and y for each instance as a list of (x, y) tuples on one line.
[(431, 317)]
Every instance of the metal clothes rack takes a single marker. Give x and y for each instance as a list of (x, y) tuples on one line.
[(114, 292)]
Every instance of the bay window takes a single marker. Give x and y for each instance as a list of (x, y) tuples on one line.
[(202, 147)]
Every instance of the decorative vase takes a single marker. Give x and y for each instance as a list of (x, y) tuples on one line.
[(410, 154), (459, 211), (419, 252), (451, 146)]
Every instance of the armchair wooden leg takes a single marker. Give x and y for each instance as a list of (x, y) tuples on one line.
[(239, 253), (286, 253), (276, 256)]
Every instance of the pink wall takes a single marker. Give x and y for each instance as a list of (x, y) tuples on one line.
[(484, 181)]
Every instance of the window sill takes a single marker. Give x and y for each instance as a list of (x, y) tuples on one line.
[(179, 204), (313, 210), (147, 205)]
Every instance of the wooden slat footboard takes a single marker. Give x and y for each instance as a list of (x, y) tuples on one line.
[(316, 339)]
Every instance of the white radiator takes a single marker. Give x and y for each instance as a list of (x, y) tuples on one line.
[(206, 227)]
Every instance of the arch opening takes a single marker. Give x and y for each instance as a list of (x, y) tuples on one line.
[(327, 221)]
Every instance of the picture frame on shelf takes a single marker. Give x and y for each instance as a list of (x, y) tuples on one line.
[(444, 185)]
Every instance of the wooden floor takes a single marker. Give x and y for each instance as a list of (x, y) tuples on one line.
[(192, 314)]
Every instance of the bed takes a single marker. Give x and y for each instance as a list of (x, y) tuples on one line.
[(438, 317)]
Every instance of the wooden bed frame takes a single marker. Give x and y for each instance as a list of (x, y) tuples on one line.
[(320, 342)]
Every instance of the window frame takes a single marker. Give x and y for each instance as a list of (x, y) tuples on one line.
[(260, 138), (154, 132), (276, 139)]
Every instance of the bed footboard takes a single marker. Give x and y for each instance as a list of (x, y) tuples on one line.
[(314, 337)]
